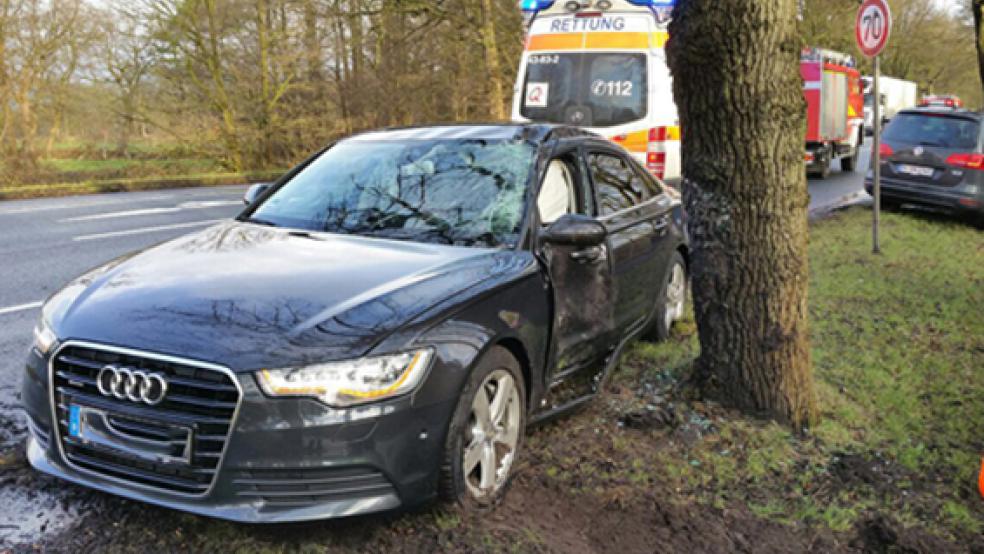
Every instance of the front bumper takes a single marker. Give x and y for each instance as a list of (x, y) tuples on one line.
[(951, 199), (290, 459)]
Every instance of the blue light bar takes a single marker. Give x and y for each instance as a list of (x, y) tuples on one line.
[(535, 5), (654, 3)]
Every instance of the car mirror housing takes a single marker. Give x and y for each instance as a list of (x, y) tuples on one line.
[(254, 192), (576, 230)]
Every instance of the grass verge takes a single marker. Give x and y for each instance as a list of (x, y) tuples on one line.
[(898, 350)]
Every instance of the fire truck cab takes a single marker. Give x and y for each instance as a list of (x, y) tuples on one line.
[(835, 110)]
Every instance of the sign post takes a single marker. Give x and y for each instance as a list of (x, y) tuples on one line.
[(873, 27)]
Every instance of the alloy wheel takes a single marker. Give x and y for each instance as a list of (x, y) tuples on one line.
[(676, 295), (492, 435)]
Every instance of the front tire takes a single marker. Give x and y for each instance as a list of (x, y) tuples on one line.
[(485, 433)]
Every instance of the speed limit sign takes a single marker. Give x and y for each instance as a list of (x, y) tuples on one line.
[(873, 27)]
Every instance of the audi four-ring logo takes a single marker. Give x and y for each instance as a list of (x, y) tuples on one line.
[(131, 384)]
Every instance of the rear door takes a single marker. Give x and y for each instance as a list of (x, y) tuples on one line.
[(917, 147), (637, 219)]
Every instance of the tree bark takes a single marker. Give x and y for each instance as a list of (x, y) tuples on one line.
[(312, 47), (736, 81), (497, 104), (977, 7), (220, 96)]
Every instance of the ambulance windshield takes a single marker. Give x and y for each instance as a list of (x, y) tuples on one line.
[(585, 89)]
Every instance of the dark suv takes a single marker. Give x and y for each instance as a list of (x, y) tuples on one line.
[(934, 157), (376, 328)]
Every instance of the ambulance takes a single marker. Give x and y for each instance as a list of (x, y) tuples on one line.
[(601, 65)]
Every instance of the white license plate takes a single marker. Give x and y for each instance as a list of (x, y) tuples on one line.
[(916, 170)]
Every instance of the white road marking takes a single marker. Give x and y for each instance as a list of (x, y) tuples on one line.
[(196, 205), (74, 203), (20, 308), (145, 230), (128, 213)]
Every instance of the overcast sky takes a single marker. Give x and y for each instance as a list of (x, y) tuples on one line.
[(952, 4)]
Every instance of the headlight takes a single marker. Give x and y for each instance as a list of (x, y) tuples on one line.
[(352, 382), (44, 338)]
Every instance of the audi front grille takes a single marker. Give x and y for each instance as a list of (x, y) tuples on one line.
[(189, 428)]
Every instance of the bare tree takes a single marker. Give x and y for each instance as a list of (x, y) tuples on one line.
[(127, 56), (42, 46)]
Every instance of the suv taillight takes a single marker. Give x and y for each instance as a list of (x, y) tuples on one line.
[(967, 161)]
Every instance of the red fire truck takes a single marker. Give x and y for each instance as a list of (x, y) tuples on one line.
[(835, 110)]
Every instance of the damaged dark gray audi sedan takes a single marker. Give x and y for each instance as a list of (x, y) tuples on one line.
[(374, 330)]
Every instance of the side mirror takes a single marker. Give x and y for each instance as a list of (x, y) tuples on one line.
[(254, 192), (576, 230)]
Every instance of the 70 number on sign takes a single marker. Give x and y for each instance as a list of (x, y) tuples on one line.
[(874, 26)]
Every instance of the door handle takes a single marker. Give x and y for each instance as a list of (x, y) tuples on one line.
[(588, 255)]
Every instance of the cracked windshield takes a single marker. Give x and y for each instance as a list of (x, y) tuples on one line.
[(461, 192)]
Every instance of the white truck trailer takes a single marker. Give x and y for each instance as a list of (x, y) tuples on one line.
[(896, 94)]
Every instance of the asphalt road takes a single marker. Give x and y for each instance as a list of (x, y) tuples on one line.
[(45, 243), (840, 185)]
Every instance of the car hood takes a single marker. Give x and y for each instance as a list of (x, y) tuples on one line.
[(247, 297)]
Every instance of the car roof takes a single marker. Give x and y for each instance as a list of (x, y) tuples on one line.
[(535, 132), (937, 110)]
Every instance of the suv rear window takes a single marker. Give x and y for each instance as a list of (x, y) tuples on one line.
[(934, 130)]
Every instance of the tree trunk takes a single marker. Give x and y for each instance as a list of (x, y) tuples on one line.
[(263, 29), (126, 126), (312, 47), (220, 96), (978, 9), (354, 90), (497, 105), (736, 81), (343, 84), (26, 156)]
